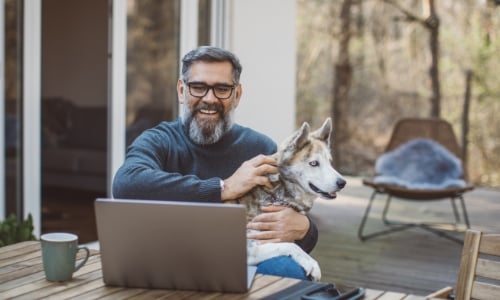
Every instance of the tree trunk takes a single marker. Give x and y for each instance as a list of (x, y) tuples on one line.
[(465, 118), (342, 85), (432, 23)]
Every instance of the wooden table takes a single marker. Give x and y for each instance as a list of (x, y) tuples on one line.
[(22, 277)]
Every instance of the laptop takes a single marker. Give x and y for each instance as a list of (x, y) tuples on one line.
[(173, 245)]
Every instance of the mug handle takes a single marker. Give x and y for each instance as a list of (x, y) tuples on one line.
[(79, 265)]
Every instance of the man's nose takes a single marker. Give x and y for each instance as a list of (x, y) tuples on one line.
[(210, 96)]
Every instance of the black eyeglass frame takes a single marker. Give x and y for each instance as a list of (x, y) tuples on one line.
[(211, 87)]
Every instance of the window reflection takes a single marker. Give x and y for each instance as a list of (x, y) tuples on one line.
[(13, 112), (152, 63)]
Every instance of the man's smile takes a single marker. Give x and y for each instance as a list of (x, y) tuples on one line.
[(208, 111)]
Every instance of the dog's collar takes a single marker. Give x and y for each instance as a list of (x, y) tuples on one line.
[(281, 200), (272, 197), (278, 194)]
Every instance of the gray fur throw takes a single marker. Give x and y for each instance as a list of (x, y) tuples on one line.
[(419, 164)]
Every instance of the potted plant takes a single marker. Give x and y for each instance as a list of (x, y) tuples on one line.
[(14, 230)]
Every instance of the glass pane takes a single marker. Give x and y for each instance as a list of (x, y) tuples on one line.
[(74, 114), (152, 63), (13, 111)]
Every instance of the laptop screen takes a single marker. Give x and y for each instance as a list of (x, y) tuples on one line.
[(172, 244)]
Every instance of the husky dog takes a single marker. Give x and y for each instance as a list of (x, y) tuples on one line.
[(305, 173)]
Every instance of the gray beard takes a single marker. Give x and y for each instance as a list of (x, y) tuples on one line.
[(206, 133)]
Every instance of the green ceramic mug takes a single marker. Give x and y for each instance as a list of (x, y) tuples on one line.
[(59, 255)]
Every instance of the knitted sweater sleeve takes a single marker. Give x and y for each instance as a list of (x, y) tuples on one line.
[(310, 239), (151, 171)]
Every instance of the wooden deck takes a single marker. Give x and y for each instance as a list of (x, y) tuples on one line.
[(413, 261), (22, 277)]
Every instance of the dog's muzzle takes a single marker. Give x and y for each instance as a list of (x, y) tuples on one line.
[(323, 194)]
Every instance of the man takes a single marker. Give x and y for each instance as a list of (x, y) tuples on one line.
[(205, 156)]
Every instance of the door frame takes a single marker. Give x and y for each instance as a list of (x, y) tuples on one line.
[(31, 112), (117, 87)]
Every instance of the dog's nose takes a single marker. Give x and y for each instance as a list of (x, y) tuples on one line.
[(341, 183)]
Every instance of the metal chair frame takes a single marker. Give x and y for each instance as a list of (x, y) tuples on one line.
[(404, 131), (396, 226)]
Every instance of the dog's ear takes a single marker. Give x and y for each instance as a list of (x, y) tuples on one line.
[(301, 137), (324, 132), (297, 141)]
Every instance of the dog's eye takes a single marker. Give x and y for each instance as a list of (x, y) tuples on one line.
[(314, 163)]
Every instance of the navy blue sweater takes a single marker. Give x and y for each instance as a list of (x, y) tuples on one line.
[(164, 164)]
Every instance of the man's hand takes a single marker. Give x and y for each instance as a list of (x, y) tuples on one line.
[(251, 173), (278, 224)]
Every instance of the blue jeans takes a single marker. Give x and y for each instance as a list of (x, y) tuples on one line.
[(283, 266)]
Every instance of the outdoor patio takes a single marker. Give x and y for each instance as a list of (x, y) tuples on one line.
[(413, 260)]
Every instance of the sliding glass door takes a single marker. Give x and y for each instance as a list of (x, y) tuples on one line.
[(82, 80), (74, 113)]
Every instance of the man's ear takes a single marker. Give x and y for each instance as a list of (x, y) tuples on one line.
[(238, 90), (180, 90)]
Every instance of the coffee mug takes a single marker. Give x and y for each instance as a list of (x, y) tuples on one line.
[(59, 255)]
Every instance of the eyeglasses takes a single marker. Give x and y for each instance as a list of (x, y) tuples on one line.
[(200, 89)]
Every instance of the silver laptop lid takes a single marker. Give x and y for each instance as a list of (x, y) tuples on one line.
[(172, 245)]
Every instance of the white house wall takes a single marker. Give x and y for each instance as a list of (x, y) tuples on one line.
[(263, 36)]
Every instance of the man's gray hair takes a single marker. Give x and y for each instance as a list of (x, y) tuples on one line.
[(210, 54)]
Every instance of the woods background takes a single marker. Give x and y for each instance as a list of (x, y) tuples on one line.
[(368, 63)]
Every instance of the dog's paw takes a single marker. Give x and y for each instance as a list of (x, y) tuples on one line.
[(312, 269), (316, 273), (257, 253)]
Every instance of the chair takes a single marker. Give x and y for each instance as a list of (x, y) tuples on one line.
[(406, 130), (479, 273)]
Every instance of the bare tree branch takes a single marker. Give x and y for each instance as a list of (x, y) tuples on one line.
[(410, 17), (432, 24)]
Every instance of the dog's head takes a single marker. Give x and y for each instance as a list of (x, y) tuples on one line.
[(305, 159)]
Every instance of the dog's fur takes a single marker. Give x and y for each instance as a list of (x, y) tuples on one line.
[(305, 173)]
